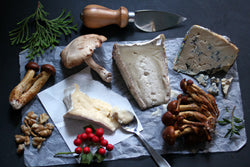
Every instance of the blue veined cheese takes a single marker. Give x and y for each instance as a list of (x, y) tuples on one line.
[(213, 89), (202, 79), (225, 84), (204, 51), (215, 80)]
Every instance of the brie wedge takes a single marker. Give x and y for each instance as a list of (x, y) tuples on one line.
[(144, 69), (82, 107)]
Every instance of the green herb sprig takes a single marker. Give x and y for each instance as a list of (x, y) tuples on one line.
[(46, 34), (235, 124)]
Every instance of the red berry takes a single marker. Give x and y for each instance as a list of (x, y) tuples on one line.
[(99, 132), (104, 142), (78, 150), (101, 138), (95, 139), (101, 151), (83, 136), (86, 150), (88, 130), (77, 142), (78, 136), (109, 147), (90, 136)]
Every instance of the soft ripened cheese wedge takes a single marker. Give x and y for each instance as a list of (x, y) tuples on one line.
[(82, 107), (144, 69), (204, 51)]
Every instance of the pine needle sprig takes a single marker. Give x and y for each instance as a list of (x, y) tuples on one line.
[(47, 32), (235, 123)]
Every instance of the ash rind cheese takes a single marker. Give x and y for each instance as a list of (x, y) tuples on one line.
[(204, 51)]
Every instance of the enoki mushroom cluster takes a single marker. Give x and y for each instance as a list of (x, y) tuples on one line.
[(193, 115)]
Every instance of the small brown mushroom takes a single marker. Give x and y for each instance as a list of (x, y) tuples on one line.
[(169, 135), (27, 81), (30, 85), (80, 50)]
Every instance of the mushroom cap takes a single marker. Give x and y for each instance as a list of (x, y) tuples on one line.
[(169, 135), (168, 118), (32, 65), (80, 49), (49, 69)]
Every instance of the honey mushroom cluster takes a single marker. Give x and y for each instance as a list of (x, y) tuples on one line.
[(34, 128), (193, 115)]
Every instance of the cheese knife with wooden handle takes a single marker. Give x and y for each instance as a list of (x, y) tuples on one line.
[(96, 16)]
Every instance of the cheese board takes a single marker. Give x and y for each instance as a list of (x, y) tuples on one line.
[(149, 118)]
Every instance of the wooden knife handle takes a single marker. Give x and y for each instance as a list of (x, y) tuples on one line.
[(96, 16)]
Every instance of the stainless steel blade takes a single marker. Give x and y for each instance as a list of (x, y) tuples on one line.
[(151, 21)]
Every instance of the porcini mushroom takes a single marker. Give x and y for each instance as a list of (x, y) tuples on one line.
[(27, 89), (80, 50)]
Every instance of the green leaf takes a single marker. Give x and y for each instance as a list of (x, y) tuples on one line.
[(237, 120), (228, 132), (224, 122), (239, 127), (99, 158), (86, 158)]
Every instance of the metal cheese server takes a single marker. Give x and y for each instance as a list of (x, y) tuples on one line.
[(96, 16), (132, 127)]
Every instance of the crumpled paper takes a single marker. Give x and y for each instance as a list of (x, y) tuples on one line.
[(150, 118)]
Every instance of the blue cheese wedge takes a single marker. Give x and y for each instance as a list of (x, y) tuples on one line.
[(225, 85), (144, 69), (204, 51), (82, 107)]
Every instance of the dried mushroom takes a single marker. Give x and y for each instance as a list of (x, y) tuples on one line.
[(36, 129), (19, 139), (43, 118), (45, 133), (26, 130), (49, 126), (30, 118), (20, 148), (37, 142)]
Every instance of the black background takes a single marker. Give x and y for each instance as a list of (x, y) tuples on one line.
[(227, 17)]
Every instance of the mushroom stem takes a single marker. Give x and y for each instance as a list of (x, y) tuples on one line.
[(103, 73)]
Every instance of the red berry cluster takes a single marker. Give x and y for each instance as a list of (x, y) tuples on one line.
[(91, 137)]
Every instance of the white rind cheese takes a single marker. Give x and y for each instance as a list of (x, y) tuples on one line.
[(144, 69), (204, 51), (82, 107)]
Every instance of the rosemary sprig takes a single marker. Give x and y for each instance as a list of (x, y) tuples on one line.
[(233, 121), (47, 32)]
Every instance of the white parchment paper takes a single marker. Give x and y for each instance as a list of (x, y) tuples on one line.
[(150, 118)]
